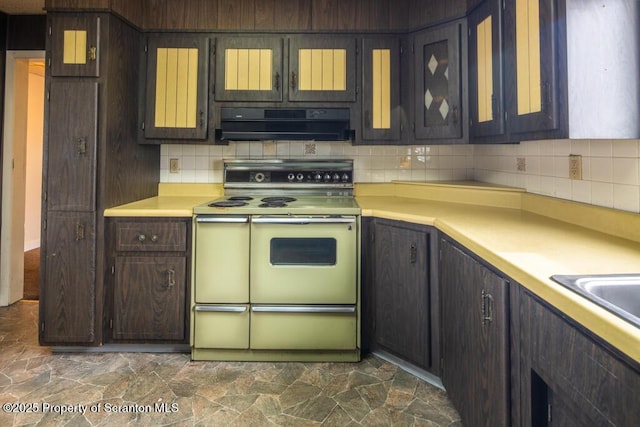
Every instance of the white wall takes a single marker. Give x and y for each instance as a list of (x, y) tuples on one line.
[(610, 170), (33, 184)]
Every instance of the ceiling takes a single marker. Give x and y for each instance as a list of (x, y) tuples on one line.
[(22, 7)]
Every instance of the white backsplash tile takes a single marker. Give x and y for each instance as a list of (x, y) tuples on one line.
[(610, 168)]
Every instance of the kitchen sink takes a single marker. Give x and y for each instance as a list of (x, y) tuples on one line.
[(618, 293)]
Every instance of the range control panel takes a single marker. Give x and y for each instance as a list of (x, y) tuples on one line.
[(274, 172)]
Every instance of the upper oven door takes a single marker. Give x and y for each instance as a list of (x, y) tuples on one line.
[(303, 260)]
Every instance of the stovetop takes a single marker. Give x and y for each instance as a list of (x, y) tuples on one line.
[(276, 205), (285, 187)]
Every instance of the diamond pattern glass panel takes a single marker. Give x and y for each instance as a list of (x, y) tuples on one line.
[(428, 99), (433, 64), (436, 84)]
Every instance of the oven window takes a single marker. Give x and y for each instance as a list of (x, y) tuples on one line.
[(303, 251)]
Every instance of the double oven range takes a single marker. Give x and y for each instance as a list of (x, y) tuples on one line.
[(276, 264)]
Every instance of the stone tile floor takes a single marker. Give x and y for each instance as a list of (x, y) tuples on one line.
[(40, 388)]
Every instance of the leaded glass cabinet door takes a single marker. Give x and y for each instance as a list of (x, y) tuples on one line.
[(381, 109), (177, 87), (486, 101), (249, 69), (438, 89), (531, 29)]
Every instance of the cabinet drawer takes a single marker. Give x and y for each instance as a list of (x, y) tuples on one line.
[(221, 326), (291, 328), (151, 236)]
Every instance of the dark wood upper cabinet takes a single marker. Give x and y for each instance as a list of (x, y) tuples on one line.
[(531, 66), (75, 45), (551, 87), (486, 82), (322, 69), (381, 107), (438, 83), (177, 87), (249, 69)]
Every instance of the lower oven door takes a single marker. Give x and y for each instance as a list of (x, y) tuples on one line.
[(221, 262), (303, 260), (292, 327), (221, 326)]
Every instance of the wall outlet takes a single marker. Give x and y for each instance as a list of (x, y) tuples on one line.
[(174, 165), (575, 166), (521, 164), (310, 148)]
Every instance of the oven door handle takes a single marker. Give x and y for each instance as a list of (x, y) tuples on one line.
[(221, 308), (302, 309), (223, 219), (302, 220)]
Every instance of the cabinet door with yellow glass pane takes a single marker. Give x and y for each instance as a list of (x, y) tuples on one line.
[(322, 69), (438, 90), (177, 87), (486, 101), (381, 109), (75, 49), (249, 69), (531, 33)]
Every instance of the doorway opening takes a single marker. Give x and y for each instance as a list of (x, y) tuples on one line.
[(22, 176)]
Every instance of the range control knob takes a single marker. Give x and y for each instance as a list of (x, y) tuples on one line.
[(291, 177), (259, 177), (327, 177), (300, 176), (336, 177), (345, 177), (317, 177)]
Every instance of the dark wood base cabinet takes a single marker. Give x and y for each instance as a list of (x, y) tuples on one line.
[(399, 298), (475, 337), (570, 378), (148, 292)]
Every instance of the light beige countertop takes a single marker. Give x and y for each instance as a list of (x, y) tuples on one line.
[(173, 200), (527, 237)]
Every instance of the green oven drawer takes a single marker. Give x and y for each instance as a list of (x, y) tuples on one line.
[(221, 326), (303, 328)]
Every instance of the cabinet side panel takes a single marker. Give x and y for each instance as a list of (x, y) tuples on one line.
[(131, 170)]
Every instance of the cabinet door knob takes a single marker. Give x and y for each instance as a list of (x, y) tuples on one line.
[(142, 237), (93, 53), (154, 238)]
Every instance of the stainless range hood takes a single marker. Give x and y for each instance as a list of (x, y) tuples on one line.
[(307, 124)]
